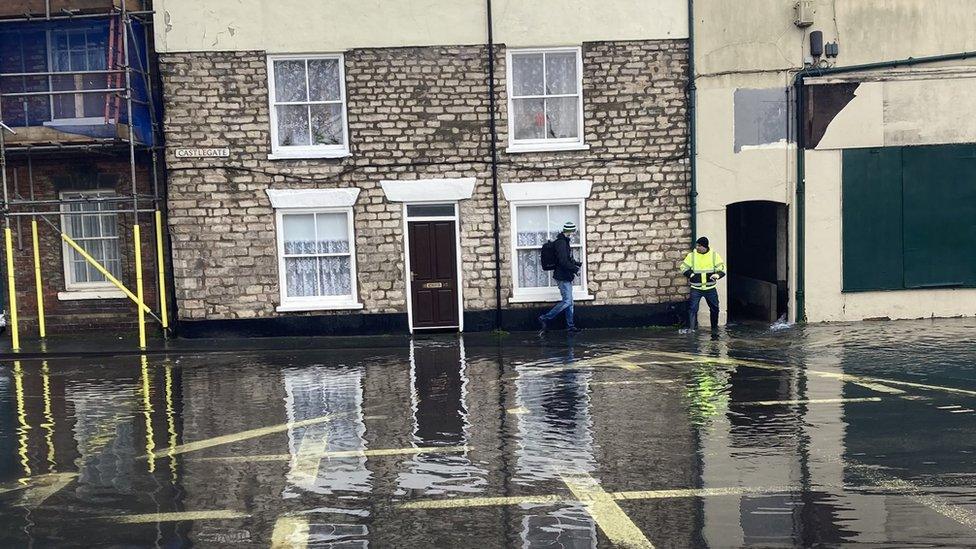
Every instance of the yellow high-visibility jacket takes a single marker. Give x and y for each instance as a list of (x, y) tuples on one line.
[(703, 266)]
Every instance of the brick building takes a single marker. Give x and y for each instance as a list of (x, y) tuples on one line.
[(355, 192), (77, 159)]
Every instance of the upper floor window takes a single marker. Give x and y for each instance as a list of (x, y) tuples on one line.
[(80, 53), (545, 99), (308, 106)]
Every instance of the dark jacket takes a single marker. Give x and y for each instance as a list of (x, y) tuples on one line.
[(566, 266)]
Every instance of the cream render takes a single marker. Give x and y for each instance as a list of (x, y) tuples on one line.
[(289, 26), (761, 48)]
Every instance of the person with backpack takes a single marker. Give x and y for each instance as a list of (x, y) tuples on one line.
[(557, 256), (704, 267)]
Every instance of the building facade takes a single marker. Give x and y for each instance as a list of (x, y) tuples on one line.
[(333, 172), (878, 224), (78, 163)]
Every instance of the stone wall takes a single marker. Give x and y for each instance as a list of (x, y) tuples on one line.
[(423, 113)]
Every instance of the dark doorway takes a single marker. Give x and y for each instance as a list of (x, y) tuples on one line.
[(433, 274), (757, 234)]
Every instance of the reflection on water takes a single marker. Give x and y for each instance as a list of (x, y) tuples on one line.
[(820, 435)]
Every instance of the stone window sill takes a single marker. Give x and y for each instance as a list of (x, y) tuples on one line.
[(546, 147), (308, 307), (549, 298), (79, 295), (308, 155)]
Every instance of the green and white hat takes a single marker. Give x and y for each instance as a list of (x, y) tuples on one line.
[(569, 227)]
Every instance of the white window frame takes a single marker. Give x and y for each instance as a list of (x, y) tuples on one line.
[(539, 145), (92, 288), (307, 151), (547, 294), (78, 98), (316, 303)]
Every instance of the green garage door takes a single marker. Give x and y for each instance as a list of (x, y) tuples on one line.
[(909, 217)]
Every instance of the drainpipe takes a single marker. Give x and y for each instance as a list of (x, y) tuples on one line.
[(493, 127), (801, 156), (692, 133)]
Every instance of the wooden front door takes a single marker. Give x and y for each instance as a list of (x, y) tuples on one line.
[(433, 274)]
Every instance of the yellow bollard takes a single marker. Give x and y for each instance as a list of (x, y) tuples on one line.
[(164, 317), (37, 281), (12, 291), (137, 240)]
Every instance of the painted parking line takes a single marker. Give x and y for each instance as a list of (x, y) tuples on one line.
[(342, 454), (554, 499), (181, 516), (521, 410), (798, 402), (636, 382), (36, 490), (616, 525), (461, 503), (290, 533), (875, 383), (244, 435)]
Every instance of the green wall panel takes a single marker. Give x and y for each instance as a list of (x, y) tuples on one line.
[(872, 219)]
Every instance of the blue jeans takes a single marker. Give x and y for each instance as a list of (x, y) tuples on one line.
[(711, 297), (566, 304)]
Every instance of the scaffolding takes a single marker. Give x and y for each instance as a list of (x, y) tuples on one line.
[(128, 85)]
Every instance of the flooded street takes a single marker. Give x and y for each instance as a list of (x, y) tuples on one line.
[(826, 434)]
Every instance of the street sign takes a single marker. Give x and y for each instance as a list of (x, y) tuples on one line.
[(202, 153)]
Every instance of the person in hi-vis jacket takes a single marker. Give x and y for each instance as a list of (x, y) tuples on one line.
[(704, 267)]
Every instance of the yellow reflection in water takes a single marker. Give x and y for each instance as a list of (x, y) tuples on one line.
[(48, 425), (147, 413), (171, 423), (23, 429)]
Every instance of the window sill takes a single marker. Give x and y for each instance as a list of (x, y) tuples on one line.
[(546, 147), (578, 295), (308, 155), (79, 295), (308, 307)]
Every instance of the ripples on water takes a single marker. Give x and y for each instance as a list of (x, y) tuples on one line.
[(858, 433)]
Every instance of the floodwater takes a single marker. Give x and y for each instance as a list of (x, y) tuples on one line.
[(816, 436)]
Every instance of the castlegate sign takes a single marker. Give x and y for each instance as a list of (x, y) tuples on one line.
[(202, 153)]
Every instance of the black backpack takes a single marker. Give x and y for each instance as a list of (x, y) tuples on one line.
[(549, 258)]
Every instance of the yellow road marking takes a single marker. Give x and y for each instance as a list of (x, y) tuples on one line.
[(702, 492), (178, 516), (617, 526), (807, 401), (518, 411), (484, 502), (245, 435), (342, 454), (290, 533), (554, 499), (38, 489), (305, 468), (870, 382), (635, 382)]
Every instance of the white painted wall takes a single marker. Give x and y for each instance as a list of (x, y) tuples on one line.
[(289, 26), (759, 47)]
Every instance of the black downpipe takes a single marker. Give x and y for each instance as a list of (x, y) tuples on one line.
[(692, 120), (801, 157), (494, 168)]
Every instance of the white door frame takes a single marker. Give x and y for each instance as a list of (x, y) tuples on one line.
[(456, 218)]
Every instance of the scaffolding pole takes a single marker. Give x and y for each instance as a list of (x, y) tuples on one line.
[(122, 66)]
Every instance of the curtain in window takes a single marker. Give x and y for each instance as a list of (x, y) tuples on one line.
[(535, 225), (317, 255)]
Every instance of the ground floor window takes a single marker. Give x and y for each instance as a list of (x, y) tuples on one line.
[(91, 223), (533, 225), (317, 258)]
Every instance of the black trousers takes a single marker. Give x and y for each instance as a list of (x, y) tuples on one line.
[(711, 297)]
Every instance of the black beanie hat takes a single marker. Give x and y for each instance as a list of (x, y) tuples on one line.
[(702, 242)]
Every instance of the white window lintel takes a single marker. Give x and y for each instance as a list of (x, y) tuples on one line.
[(548, 190), (283, 199), (428, 190)]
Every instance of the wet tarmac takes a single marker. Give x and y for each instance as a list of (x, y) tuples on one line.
[(822, 436)]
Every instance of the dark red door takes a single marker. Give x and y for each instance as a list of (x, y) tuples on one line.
[(433, 266)]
